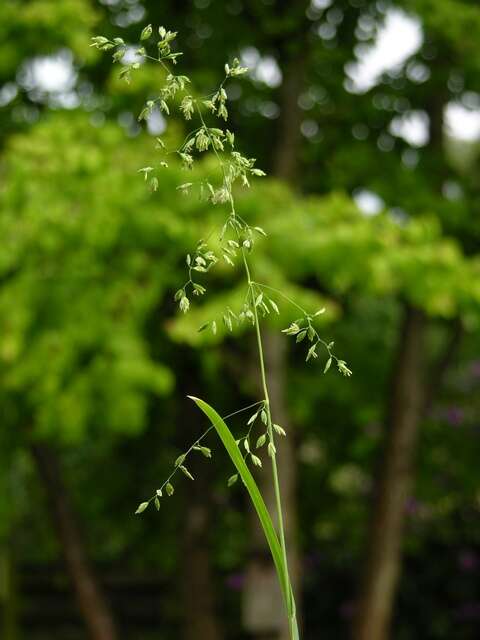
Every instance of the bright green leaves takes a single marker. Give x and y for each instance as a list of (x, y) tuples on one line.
[(43, 27), (101, 382)]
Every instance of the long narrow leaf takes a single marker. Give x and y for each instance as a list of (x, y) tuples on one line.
[(252, 488)]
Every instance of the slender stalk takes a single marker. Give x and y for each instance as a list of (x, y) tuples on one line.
[(276, 483)]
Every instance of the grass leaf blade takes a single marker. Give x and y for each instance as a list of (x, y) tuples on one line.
[(236, 456)]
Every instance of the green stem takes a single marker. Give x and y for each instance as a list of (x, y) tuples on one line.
[(278, 499)]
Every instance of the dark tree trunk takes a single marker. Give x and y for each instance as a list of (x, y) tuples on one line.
[(198, 591), (9, 593), (411, 400), (200, 620), (286, 152), (91, 600), (403, 419)]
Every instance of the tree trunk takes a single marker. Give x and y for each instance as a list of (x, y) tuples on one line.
[(285, 159), (91, 600), (199, 620), (8, 593), (403, 419)]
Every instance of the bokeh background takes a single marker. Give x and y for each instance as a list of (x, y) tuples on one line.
[(366, 116)]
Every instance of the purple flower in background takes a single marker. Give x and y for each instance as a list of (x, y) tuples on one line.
[(412, 506), (467, 560), (373, 429), (235, 581), (475, 368), (455, 416), (311, 561), (469, 611), (347, 609)]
